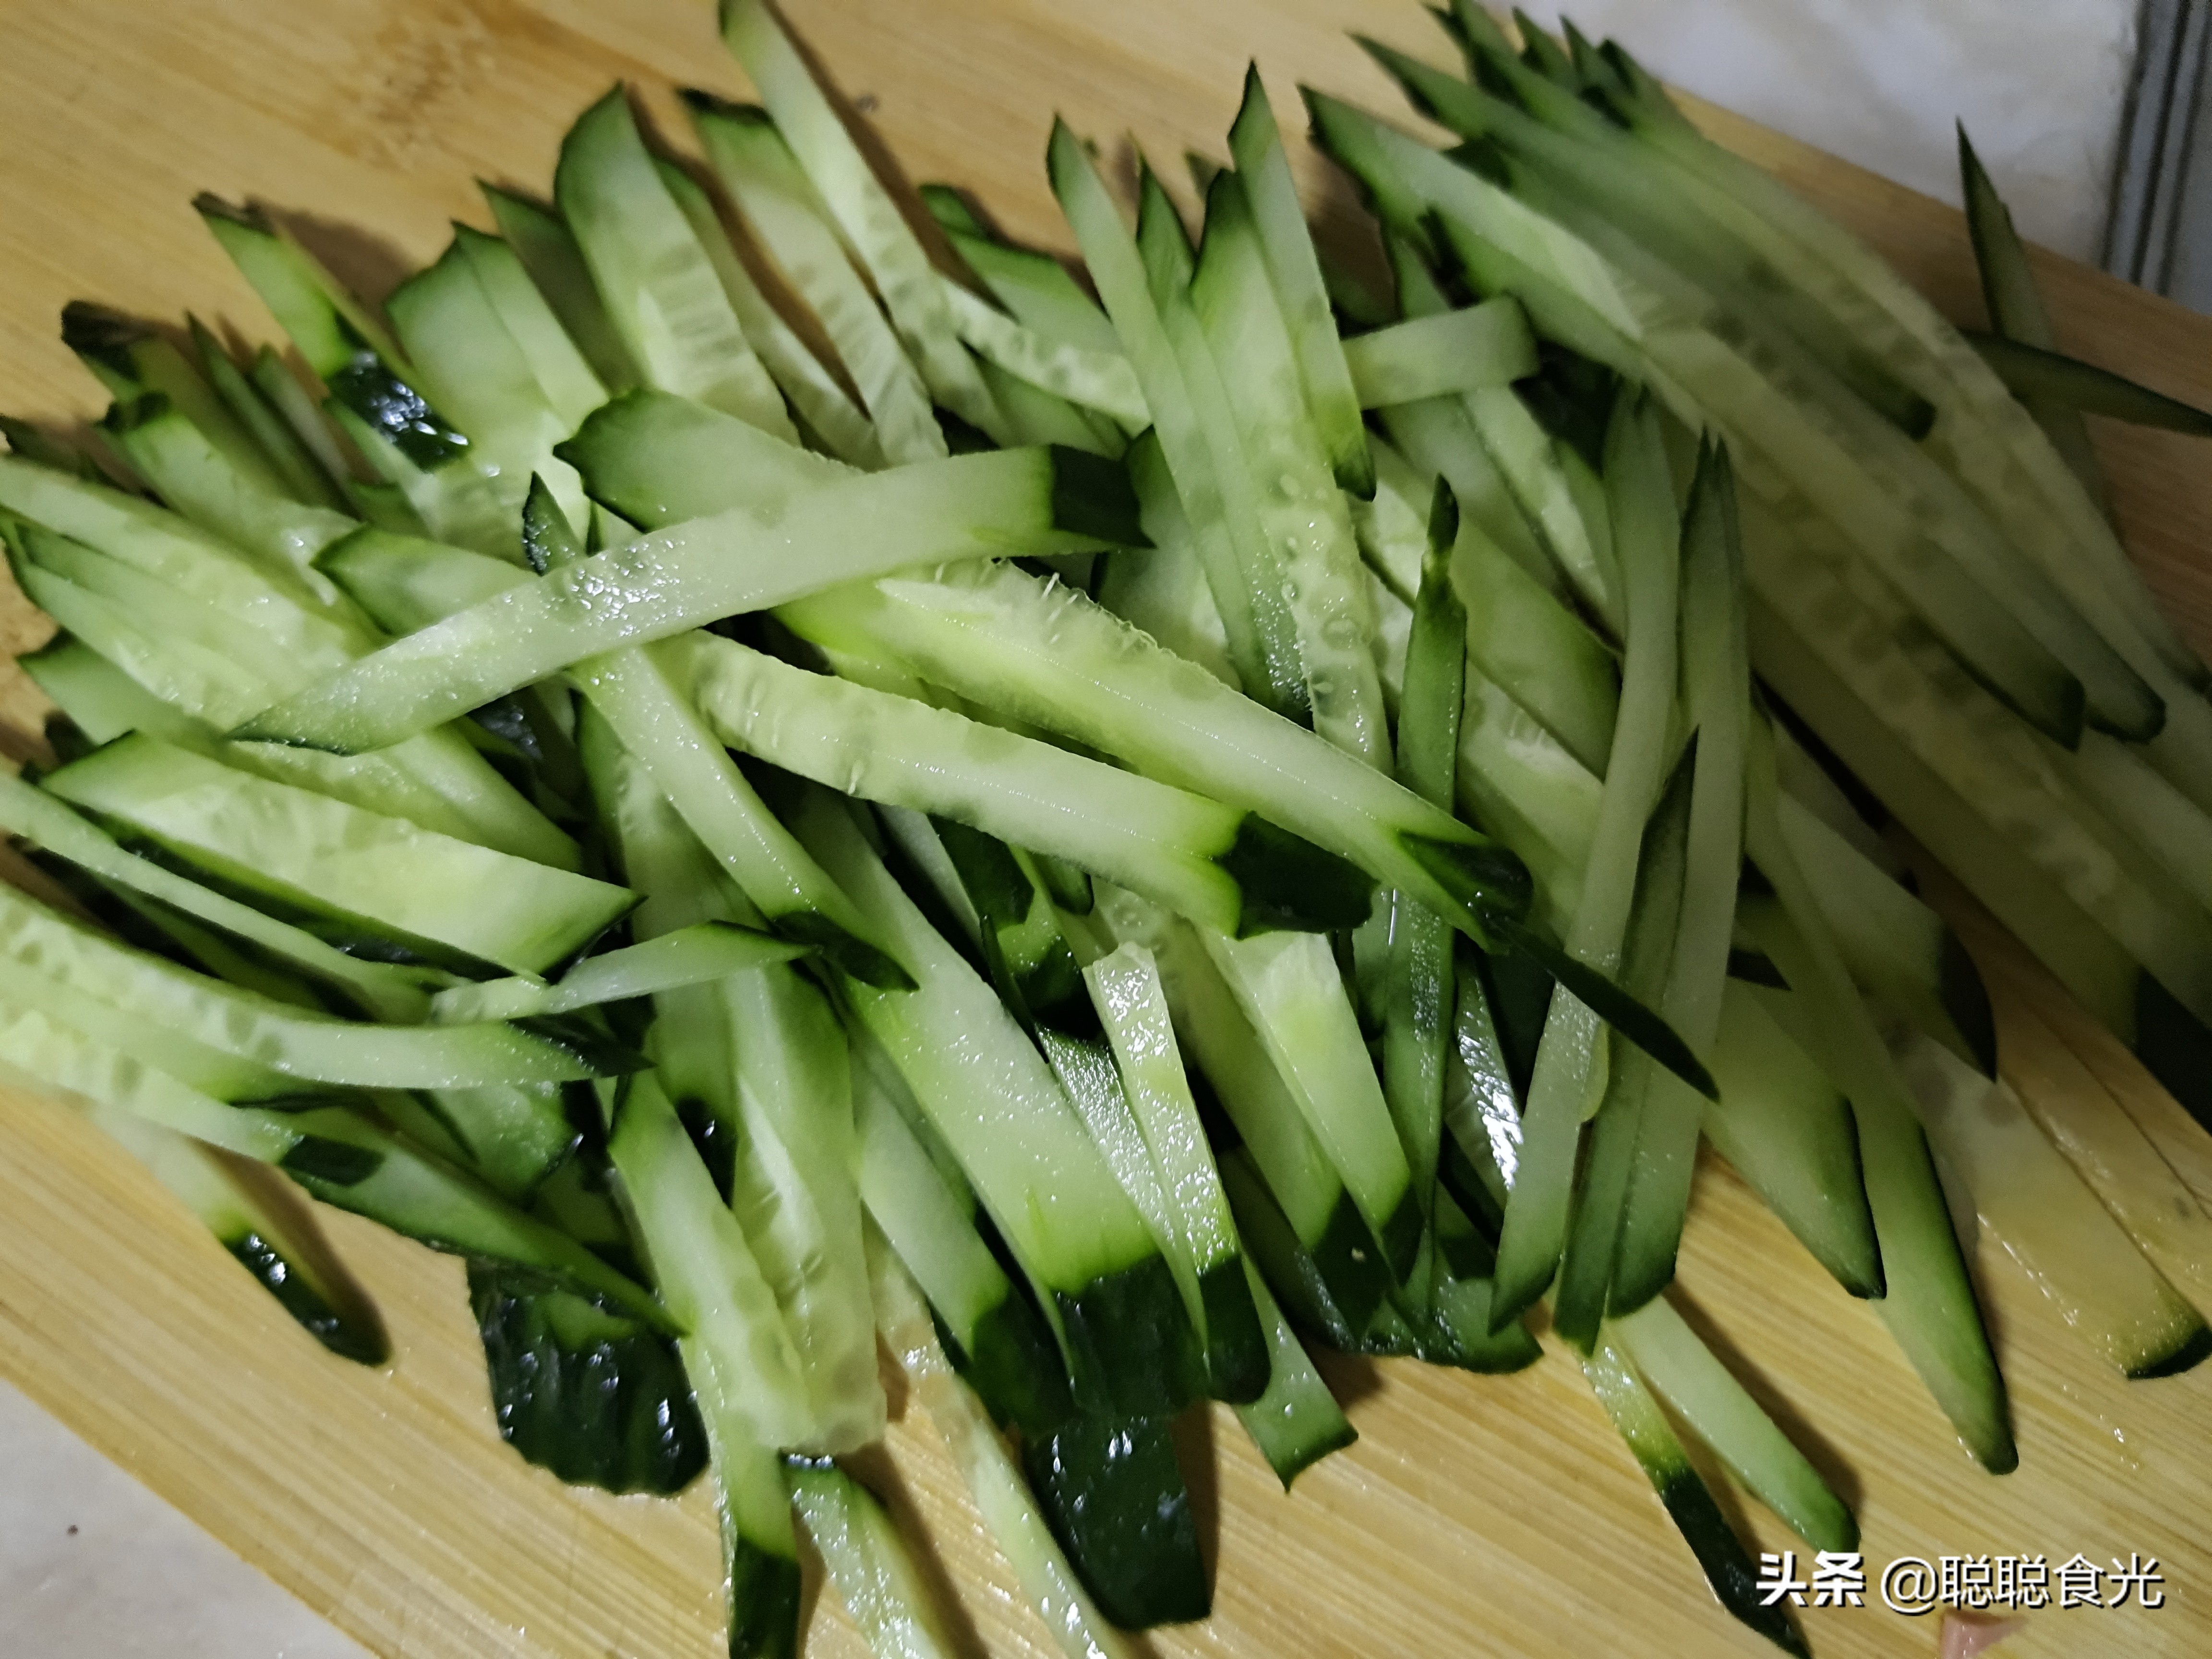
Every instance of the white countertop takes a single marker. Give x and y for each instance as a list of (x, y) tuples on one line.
[(94, 1566)]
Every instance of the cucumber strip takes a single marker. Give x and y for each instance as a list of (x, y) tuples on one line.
[(1716, 673), (1099, 380), (1516, 778), (405, 583), (1438, 438), (658, 460), (758, 1065), (1418, 1016), (481, 377), (1202, 550), (2017, 313), (1126, 989), (1004, 908), (2043, 378), (987, 1092), (758, 170), (1085, 1069), (1211, 1029), (555, 266), (1226, 869), (514, 1136), (2087, 1123), (703, 1267), (285, 1253), (345, 347), (1036, 289), (348, 868), (689, 956), (1592, 1260), (1050, 1585), (812, 391), (571, 388), (202, 483), (1289, 988), (1288, 460), (1569, 1075), (1528, 458), (280, 1037), (1292, 1269), (1393, 526), (1861, 472), (1297, 1422), (1052, 656), (867, 1562), (1900, 952), (2048, 1219), (2018, 798), (1991, 443), (1169, 267), (709, 1279), (275, 597), (1294, 273), (435, 781), (2172, 831), (198, 1064), (1035, 415), (1482, 1107), (280, 388), (1027, 501), (1586, 167), (476, 370), (337, 1156), (1637, 1417), (1454, 351), (1928, 1302), (1002, 1348), (27, 441), (1160, 336), (1536, 650), (1787, 1130), (864, 211), (1114, 1494), (132, 360), (661, 294), (763, 1585), (1166, 593), (647, 697), (386, 992), (375, 390), (2074, 946), (265, 633), (600, 1401), (1677, 1367), (795, 1110)]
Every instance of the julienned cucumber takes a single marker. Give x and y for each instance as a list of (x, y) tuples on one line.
[(1026, 501)]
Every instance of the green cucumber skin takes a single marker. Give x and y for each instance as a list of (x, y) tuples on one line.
[(766, 1592), (346, 1338), (599, 1401), (1014, 1365), (1113, 1495), (1131, 1347), (1237, 1360), (1298, 1421)]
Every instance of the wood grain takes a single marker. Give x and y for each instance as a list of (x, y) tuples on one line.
[(1476, 1515)]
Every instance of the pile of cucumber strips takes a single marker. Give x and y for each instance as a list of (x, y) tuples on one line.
[(789, 778)]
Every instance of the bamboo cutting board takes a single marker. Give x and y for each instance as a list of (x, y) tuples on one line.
[(1479, 1515)]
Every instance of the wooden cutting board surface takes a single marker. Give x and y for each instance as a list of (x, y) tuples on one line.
[(1477, 1516)]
